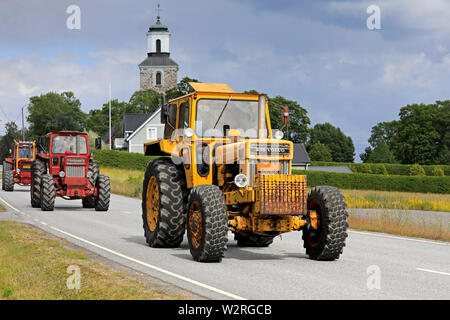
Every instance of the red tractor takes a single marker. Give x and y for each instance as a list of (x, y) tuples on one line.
[(68, 170), (18, 168)]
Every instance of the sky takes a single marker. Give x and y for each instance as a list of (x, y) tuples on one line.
[(319, 53)]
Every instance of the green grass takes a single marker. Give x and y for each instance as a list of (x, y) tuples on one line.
[(33, 266)]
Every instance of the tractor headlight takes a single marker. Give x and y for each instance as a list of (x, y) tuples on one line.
[(62, 174), (18, 171), (241, 180), (278, 134), (89, 174), (188, 132)]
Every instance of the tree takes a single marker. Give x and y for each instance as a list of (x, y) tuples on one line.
[(98, 120), (418, 138), (380, 138), (54, 112), (7, 141), (340, 145), (320, 152), (182, 88), (146, 101), (299, 120), (380, 154)]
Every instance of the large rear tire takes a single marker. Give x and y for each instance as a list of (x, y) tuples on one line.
[(164, 197), (38, 169), (328, 241), (207, 223), (48, 194), (9, 181), (253, 240), (93, 171), (104, 193), (6, 167)]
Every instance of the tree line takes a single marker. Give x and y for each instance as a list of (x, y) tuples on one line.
[(421, 135)]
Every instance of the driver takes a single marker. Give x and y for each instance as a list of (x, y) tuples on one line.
[(61, 147)]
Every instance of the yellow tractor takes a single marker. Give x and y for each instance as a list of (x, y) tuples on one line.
[(222, 168)]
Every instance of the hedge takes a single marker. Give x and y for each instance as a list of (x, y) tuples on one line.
[(122, 159), (394, 169), (379, 182)]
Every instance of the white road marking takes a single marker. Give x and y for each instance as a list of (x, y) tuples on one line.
[(399, 238), (433, 271), (17, 210), (227, 294), (43, 223)]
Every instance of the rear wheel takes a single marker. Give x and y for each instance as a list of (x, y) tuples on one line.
[(253, 240), (48, 194), (38, 169), (93, 171), (163, 204), (9, 180), (328, 241), (104, 193), (207, 223)]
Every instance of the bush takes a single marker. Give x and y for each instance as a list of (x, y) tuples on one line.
[(365, 168), (380, 169), (392, 169), (361, 181), (438, 172), (122, 159), (417, 170)]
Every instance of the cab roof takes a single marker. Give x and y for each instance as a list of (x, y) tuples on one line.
[(211, 87)]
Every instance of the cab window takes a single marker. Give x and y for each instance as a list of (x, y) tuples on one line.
[(183, 121)]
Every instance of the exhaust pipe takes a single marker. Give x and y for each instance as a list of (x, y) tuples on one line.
[(262, 132)]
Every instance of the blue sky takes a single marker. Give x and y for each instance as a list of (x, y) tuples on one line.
[(319, 53)]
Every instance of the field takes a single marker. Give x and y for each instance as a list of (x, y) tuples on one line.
[(34, 265), (397, 200)]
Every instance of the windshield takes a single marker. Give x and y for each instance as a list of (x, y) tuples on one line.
[(61, 144), (238, 114), (25, 152)]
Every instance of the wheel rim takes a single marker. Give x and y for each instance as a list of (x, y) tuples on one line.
[(195, 224), (313, 237), (152, 203)]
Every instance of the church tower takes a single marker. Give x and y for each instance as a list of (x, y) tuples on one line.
[(158, 71)]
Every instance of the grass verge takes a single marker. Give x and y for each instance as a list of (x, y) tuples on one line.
[(34, 265), (402, 225)]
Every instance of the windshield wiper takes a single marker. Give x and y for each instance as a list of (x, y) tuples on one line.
[(224, 107)]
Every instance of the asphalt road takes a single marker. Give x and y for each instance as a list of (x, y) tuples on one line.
[(373, 266)]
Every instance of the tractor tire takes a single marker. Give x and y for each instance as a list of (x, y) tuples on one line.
[(104, 193), (328, 241), (6, 167), (207, 223), (48, 194), (164, 198), (253, 240), (93, 171), (9, 181), (88, 202), (38, 169)]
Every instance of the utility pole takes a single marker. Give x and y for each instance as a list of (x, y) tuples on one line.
[(23, 126), (110, 135)]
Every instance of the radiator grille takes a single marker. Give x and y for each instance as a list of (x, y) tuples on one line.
[(282, 194), (253, 169), (75, 171)]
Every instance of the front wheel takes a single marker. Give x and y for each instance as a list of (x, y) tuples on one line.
[(328, 241), (48, 194), (104, 193), (207, 223)]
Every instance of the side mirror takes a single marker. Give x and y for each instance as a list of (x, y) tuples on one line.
[(98, 143), (164, 113)]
